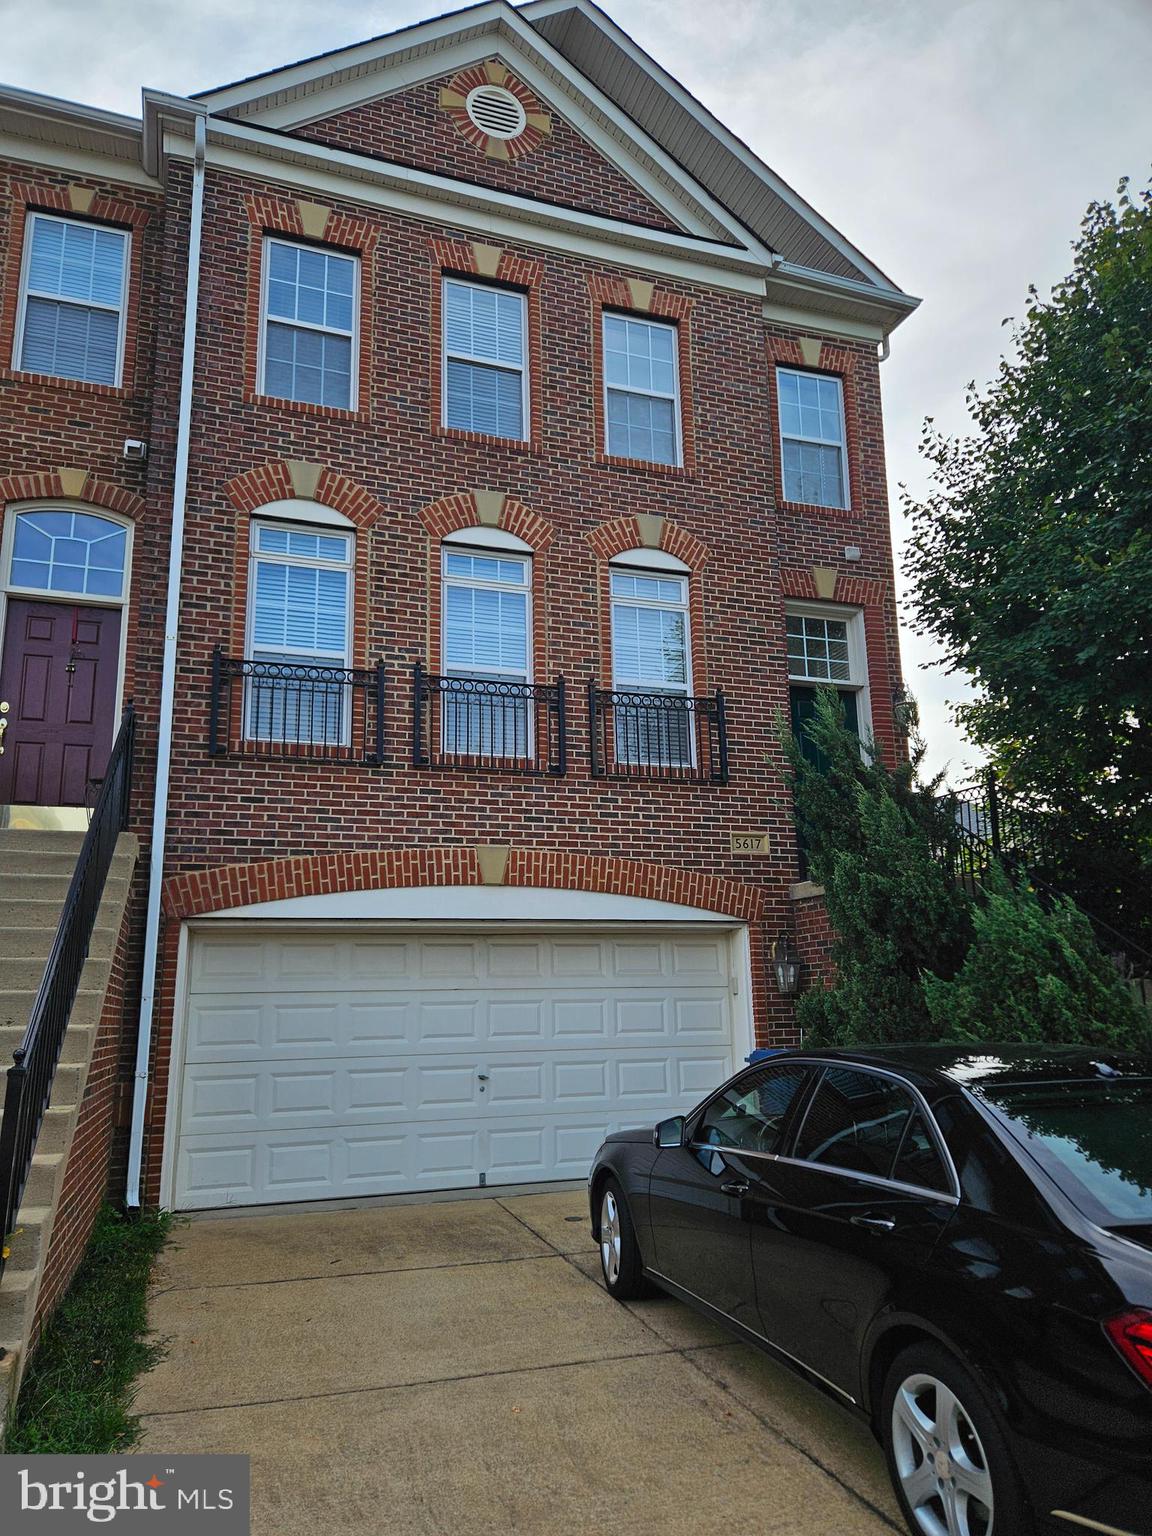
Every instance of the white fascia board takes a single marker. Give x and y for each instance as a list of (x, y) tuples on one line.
[(483, 213), (890, 306), (681, 205), (550, 69), (77, 162), (72, 112), (813, 322), (376, 50), (483, 904), (715, 127)]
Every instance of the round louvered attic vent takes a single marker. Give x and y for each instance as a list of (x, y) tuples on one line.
[(496, 112)]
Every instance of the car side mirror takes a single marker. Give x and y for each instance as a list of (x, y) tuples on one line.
[(670, 1133)]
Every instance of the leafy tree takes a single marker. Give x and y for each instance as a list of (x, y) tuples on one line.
[(1034, 974), (874, 838), (1031, 557)]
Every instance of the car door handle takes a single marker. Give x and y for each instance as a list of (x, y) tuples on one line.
[(874, 1223), (734, 1188)]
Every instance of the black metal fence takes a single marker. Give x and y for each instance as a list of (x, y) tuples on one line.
[(286, 709), (991, 828), (471, 722), (29, 1082), (658, 735)]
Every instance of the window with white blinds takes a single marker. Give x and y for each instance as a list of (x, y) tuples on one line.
[(486, 609), (309, 324), (650, 656), (72, 300), (300, 596), (485, 385), (812, 438), (641, 389)]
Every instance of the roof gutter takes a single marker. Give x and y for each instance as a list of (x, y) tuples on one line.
[(168, 674)]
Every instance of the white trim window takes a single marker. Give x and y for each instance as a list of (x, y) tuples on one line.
[(826, 648), (66, 550), (812, 438), (73, 298), (485, 360), (487, 630), (641, 389), (299, 634), (651, 656), (309, 308)]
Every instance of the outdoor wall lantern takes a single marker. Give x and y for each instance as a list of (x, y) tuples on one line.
[(905, 711), (787, 966)]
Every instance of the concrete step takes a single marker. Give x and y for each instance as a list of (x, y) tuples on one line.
[(20, 885), (41, 861), (23, 975), (16, 1010), (17, 1298), (9, 1375), (31, 943), (16, 840), (56, 1128), (26, 1244), (40, 1188)]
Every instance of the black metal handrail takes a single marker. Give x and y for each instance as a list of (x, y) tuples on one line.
[(991, 829), (473, 722), (29, 1083), (297, 710), (638, 735)]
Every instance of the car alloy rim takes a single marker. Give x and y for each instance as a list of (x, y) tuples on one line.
[(610, 1238), (940, 1461)]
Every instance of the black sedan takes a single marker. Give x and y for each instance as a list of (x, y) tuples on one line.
[(954, 1241)]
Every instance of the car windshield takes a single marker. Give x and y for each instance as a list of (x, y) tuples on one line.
[(1094, 1138)]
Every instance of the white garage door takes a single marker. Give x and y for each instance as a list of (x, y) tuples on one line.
[(356, 1063)]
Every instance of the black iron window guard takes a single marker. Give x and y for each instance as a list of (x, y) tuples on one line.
[(29, 1083), (637, 735), (288, 709), (473, 722)]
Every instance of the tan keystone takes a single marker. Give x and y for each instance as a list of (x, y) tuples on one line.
[(450, 98), (493, 861), (305, 478), (496, 149), (72, 481), (496, 72), (489, 507), (824, 579), (313, 218), (651, 528), (641, 293), (487, 258), (810, 350), (541, 121), (80, 199)]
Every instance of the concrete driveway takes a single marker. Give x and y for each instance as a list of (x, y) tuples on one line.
[(456, 1367)]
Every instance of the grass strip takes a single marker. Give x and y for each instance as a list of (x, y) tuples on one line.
[(76, 1394)]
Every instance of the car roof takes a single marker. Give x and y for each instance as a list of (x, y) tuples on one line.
[(976, 1065)]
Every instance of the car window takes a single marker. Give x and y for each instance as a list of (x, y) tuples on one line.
[(918, 1159), (856, 1121), (750, 1115)]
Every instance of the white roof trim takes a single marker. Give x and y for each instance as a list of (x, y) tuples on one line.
[(550, 70), (713, 125), (486, 212)]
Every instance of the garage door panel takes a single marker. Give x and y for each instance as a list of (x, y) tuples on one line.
[(322, 1065)]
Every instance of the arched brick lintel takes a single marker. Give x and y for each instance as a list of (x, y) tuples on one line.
[(237, 885), (472, 509), (625, 533), (265, 483), (47, 484)]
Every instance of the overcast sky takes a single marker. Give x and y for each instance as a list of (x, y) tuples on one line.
[(957, 142)]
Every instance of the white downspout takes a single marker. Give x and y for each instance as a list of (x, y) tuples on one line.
[(168, 674)]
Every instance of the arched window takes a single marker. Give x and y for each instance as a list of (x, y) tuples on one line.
[(651, 659), (69, 551), (486, 607)]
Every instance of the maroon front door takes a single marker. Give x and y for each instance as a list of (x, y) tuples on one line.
[(58, 678)]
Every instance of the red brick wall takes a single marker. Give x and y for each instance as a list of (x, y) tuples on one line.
[(86, 1176), (722, 514), (413, 128)]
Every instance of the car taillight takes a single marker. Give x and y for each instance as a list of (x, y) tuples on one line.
[(1131, 1333)]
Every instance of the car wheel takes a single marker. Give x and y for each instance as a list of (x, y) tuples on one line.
[(619, 1250), (947, 1452)]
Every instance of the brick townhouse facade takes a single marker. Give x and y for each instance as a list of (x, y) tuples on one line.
[(532, 477)]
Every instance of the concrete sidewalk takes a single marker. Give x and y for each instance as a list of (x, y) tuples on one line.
[(456, 1367)]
